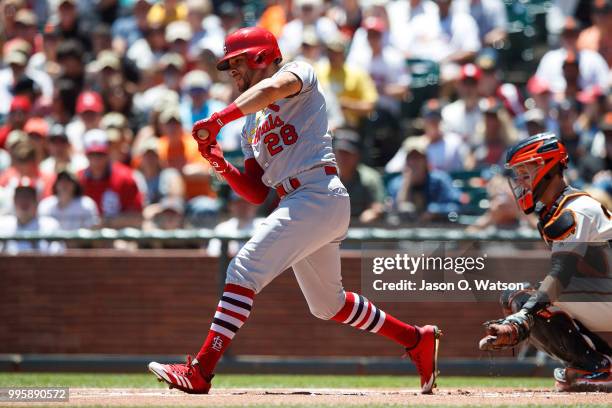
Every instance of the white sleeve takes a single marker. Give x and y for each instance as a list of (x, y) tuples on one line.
[(304, 71)]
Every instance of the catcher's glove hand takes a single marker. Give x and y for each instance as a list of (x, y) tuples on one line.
[(506, 333)]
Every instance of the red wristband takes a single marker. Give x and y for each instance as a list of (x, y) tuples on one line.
[(228, 114)]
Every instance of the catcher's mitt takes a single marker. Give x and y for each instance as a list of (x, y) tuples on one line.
[(506, 333)]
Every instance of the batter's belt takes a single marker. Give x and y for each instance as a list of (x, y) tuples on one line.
[(293, 183)]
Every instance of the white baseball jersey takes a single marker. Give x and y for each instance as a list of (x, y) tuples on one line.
[(290, 139), (590, 240), (593, 226), (290, 136)]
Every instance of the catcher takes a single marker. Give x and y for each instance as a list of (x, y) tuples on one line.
[(573, 301)]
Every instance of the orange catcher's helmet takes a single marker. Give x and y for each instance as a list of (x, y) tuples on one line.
[(531, 164), (257, 44)]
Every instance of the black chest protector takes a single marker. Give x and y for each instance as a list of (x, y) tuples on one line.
[(557, 223)]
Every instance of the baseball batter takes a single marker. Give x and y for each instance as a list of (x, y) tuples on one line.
[(574, 299), (287, 147)]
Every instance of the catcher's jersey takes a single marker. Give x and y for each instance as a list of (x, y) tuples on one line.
[(593, 230), (290, 136)]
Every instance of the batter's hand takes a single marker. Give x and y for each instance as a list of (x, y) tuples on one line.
[(506, 333), (206, 130), (214, 155)]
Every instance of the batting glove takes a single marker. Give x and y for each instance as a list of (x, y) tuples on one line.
[(214, 123), (214, 155)]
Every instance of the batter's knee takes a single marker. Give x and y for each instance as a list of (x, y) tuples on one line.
[(326, 308), (237, 274), (512, 301)]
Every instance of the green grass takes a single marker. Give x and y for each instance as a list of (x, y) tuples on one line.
[(263, 381)]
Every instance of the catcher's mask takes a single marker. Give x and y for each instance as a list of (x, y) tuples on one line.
[(531, 165)]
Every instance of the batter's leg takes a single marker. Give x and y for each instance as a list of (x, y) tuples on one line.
[(297, 228), (319, 277)]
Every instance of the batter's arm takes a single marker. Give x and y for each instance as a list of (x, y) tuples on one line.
[(268, 91)]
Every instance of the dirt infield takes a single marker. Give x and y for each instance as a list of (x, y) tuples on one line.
[(325, 397)]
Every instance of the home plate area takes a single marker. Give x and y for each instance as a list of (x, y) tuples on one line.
[(326, 397)]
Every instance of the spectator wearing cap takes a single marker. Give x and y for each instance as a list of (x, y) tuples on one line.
[(176, 148), (68, 206), (494, 135), (110, 184), (19, 113), (243, 220), (306, 13), (119, 136), (168, 215), (167, 77), (593, 69), (491, 18), (155, 179), (598, 37), (310, 51), (463, 115), (105, 70), (491, 83), (420, 192), (89, 110), (534, 122), (25, 218), (352, 86), (25, 164), (16, 54), (196, 103), (384, 64), (541, 98), (26, 26), (61, 154), (37, 130), (178, 37), (363, 183), (446, 151)]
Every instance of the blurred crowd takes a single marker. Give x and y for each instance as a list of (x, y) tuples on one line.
[(98, 97)]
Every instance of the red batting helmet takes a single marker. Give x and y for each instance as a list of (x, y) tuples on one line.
[(258, 44), (532, 163)]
